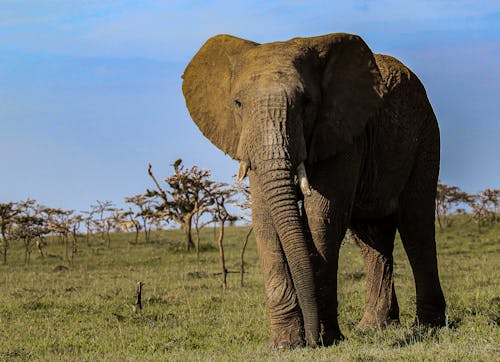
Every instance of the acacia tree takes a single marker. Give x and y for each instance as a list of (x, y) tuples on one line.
[(29, 225), (58, 222), (124, 221), (145, 213), (484, 206), (8, 212), (113, 221), (448, 197), (185, 195), (491, 199), (74, 224)]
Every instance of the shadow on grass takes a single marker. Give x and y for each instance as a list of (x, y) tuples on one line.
[(196, 275), (359, 275), (16, 354), (418, 334)]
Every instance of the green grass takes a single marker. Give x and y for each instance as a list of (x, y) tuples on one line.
[(86, 313)]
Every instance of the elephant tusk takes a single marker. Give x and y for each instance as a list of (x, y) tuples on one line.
[(242, 171), (303, 181)]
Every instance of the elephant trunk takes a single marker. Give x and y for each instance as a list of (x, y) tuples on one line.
[(281, 192), (280, 150)]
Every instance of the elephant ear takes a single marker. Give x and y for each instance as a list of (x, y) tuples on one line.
[(207, 86), (352, 90)]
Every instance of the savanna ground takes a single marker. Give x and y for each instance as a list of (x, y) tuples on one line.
[(86, 313)]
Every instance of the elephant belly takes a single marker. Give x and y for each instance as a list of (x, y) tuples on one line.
[(384, 176)]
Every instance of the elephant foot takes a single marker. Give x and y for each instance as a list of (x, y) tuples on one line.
[(373, 321), (330, 335), (283, 341), (439, 321), (287, 335), (432, 314)]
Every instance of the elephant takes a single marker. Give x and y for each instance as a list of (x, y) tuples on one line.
[(332, 138)]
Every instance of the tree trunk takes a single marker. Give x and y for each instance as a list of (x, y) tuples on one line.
[(5, 247), (4, 254), (188, 241), (27, 243), (108, 238), (242, 254), (39, 242), (137, 234), (74, 246), (197, 229), (221, 253), (66, 246), (438, 216), (87, 237)]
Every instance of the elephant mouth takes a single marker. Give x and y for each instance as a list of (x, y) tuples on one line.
[(303, 180)]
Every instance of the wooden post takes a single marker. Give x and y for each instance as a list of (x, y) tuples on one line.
[(138, 303)]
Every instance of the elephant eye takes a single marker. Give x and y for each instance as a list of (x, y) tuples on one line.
[(237, 103)]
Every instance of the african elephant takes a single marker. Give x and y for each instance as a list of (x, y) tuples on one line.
[(332, 137)]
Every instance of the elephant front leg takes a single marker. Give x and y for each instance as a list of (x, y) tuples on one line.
[(281, 299), (376, 241), (327, 233)]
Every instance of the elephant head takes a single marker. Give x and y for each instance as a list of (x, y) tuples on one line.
[(275, 106)]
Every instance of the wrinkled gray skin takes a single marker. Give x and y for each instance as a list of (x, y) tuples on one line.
[(350, 133)]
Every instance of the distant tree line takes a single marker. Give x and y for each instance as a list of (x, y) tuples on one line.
[(482, 207), (189, 196)]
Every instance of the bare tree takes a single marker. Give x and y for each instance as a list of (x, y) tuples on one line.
[(222, 198), (102, 223), (242, 255), (88, 220), (198, 225)]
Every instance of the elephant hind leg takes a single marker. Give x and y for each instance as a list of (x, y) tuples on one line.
[(416, 226), (376, 241), (417, 235)]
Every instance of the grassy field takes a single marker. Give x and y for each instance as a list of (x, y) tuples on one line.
[(86, 313)]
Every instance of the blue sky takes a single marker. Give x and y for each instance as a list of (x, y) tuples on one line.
[(90, 91)]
